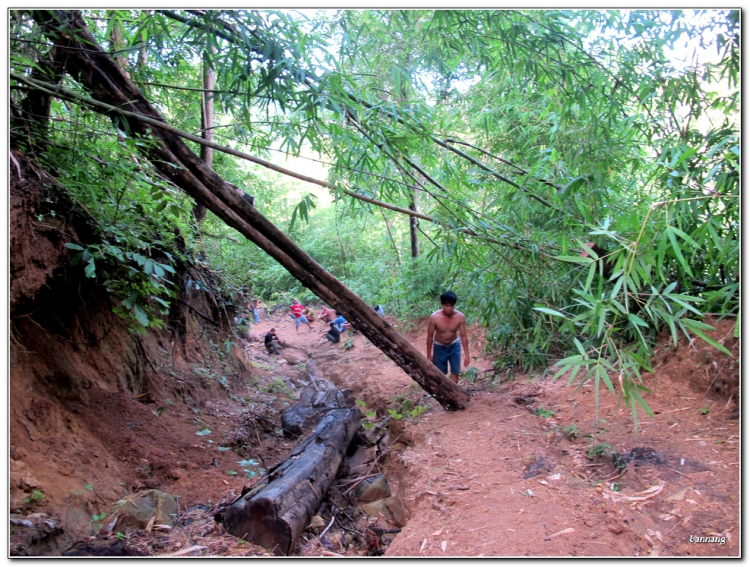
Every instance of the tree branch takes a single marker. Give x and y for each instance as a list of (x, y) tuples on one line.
[(156, 123)]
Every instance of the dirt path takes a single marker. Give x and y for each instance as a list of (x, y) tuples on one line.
[(463, 472), (509, 476)]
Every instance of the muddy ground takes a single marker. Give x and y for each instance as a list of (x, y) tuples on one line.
[(528, 470)]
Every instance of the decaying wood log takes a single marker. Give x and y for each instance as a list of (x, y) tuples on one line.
[(91, 66), (315, 400), (276, 512)]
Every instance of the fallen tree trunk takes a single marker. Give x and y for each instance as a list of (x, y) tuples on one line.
[(87, 63), (316, 399), (277, 511)]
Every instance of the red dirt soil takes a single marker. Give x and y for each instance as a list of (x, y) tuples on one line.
[(460, 474), (465, 490)]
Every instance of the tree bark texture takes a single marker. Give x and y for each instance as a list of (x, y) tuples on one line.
[(207, 124), (316, 399), (275, 513), (35, 108), (88, 64), (117, 42), (414, 224)]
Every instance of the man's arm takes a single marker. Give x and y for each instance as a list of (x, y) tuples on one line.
[(430, 335), (464, 340)]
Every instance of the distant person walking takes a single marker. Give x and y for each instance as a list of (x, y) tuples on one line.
[(443, 340), (254, 305), (296, 311)]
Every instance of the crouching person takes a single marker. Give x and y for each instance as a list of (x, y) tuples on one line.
[(333, 334), (272, 342)]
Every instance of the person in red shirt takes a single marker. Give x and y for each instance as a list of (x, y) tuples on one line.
[(297, 314)]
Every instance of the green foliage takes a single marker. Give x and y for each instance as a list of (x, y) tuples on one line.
[(599, 450), (277, 386), (130, 258), (544, 412), (370, 415), (251, 467), (571, 431), (417, 411), (95, 520), (471, 374), (409, 408), (522, 134)]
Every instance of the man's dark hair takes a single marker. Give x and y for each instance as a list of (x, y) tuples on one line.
[(448, 298)]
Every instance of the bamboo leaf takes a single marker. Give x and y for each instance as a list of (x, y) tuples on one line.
[(634, 393), (637, 320), (550, 312), (684, 236), (590, 277), (573, 374), (574, 259), (579, 346), (560, 372), (690, 325), (678, 251), (603, 373)]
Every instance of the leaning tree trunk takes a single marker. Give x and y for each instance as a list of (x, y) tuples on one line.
[(95, 70), (276, 512)]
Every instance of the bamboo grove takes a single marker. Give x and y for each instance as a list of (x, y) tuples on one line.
[(573, 174)]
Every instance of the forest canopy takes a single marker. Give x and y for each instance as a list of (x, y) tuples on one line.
[(572, 174)]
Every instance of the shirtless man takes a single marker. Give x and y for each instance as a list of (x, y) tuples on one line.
[(444, 328)]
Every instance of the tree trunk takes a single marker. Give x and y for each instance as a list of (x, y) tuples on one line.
[(207, 125), (315, 400), (35, 108), (90, 65), (414, 225), (118, 43), (276, 512)]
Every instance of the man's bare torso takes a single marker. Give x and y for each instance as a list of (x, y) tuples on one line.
[(446, 328)]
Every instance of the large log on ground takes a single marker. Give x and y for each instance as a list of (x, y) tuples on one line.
[(276, 512), (112, 91), (315, 400)]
